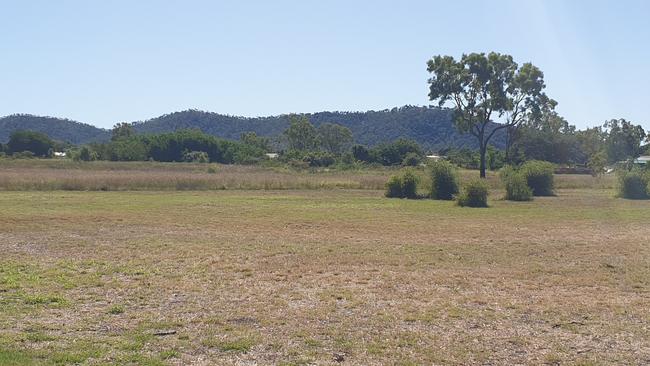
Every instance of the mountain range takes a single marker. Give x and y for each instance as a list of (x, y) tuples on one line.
[(431, 127)]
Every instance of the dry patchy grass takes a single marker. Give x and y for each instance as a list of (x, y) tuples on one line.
[(55, 174), (321, 277)]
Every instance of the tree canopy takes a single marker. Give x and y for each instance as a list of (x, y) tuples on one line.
[(482, 87)]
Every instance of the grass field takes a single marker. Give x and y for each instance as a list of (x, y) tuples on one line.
[(328, 276), (56, 174)]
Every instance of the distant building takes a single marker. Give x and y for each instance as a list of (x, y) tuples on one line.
[(434, 157)]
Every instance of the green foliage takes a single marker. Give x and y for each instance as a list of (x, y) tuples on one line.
[(301, 159), (597, 163), (394, 187), (431, 127), (174, 146), (35, 142), (410, 184), (474, 194), (539, 177), (624, 140), (335, 138), (361, 153), (634, 184), (516, 185), (196, 157), (403, 185), (252, 139), (395, 152), (411, 159), (480, 85), (444, 180), (23, 155), (301, 134), (471, 159), (116, 309), (56, 128), (128, 149), (84, 154), (122, 130)]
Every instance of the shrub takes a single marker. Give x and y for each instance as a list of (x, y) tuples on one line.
[(539, 177), (444, 180), (23, 155), (410, 184), (394, 187), (516, 187), (404, 185), (634, 185), (411, 159), (474, 194)]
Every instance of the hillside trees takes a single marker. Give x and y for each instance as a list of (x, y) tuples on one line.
[(301, 134), (484, 86), (122, 130), (335, 138)]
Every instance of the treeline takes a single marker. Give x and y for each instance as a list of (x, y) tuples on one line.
[(431, 128), (550, 138)]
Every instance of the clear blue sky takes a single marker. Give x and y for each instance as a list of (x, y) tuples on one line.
[(103, 62)]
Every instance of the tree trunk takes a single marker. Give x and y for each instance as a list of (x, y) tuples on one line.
[(482, 152), (508, 144)]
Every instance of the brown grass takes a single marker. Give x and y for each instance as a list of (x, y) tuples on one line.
[(50, 175), (317, 277)]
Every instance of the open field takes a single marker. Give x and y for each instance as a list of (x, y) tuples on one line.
[(321, 277), (49, 174)]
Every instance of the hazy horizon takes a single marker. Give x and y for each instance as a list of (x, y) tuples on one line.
[(101, 63)]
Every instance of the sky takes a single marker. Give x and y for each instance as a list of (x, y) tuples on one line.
[(103, 62)]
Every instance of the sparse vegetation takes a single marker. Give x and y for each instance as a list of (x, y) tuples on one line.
[(294, 258)]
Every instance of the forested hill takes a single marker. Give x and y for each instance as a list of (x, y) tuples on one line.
[(430, 127), (64, 130)]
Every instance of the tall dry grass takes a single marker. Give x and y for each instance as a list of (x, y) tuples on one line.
[(52, 174), (105, 176)]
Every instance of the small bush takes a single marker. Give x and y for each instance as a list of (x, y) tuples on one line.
[(116, 310), (539, 177), (394, 187), (411, 159), (516, 188), (474, 194), (404, 185), (410, 184), (444, 180), (634, 185), (23, 155)]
